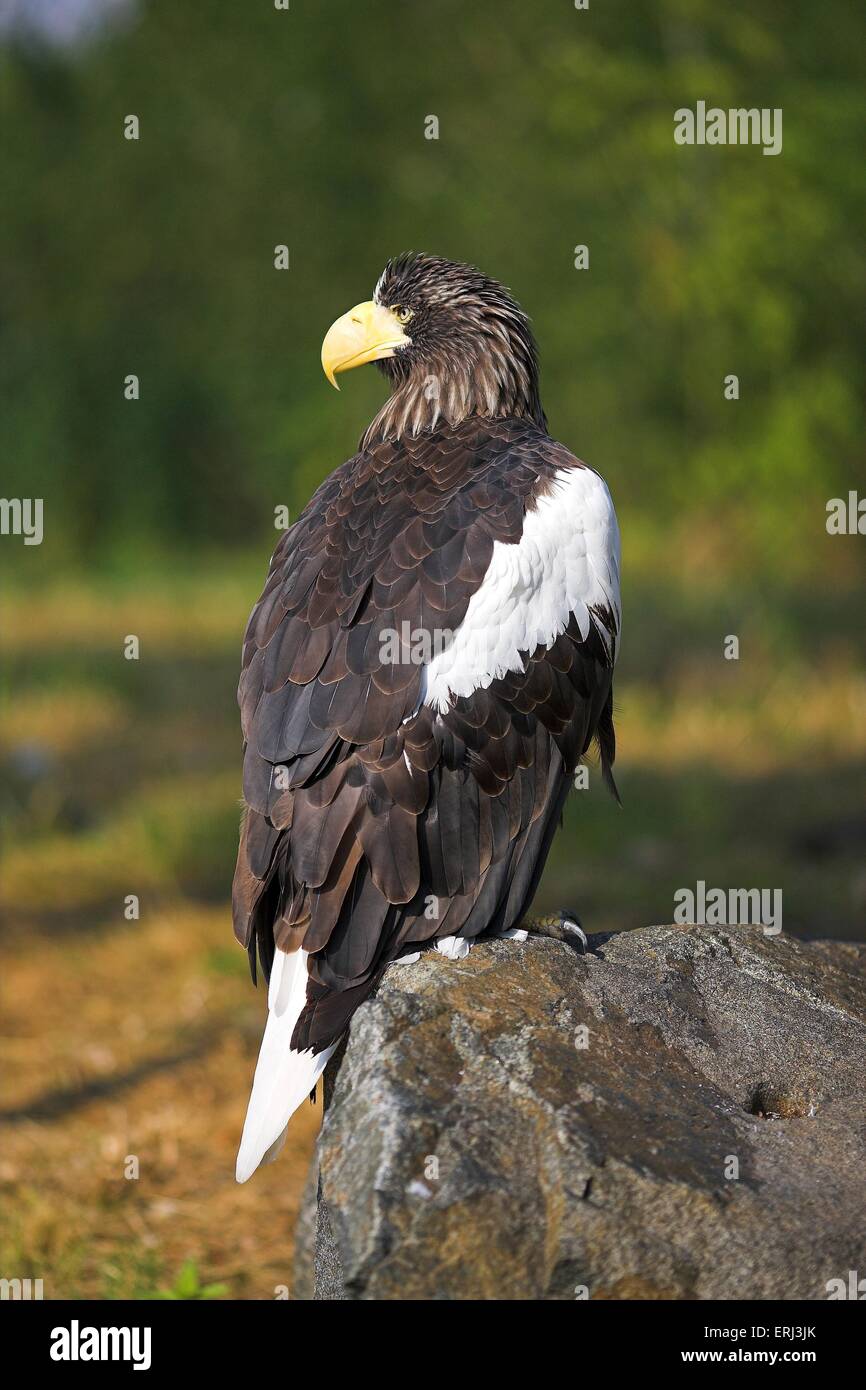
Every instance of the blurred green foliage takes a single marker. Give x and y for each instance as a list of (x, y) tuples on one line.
[(188, 1285), (306, 127)]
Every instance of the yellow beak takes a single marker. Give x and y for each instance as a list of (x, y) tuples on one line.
[(367, 333)]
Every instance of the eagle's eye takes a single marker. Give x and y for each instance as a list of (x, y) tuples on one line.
[(401, 313)]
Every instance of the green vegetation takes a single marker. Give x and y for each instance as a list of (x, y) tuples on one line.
[(306, 127), (188, 1285)]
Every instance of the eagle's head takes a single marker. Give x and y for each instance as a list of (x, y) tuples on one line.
[(451, 341)]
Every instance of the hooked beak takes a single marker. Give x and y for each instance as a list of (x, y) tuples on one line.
[(367, 333)]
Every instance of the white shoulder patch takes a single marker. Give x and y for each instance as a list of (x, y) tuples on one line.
[(567, 561)]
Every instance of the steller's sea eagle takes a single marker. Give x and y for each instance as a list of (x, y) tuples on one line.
[(431, 657)]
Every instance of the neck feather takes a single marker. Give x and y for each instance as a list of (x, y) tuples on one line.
[(496, 384)]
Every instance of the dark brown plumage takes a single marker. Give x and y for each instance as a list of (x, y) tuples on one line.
[(367, 810)]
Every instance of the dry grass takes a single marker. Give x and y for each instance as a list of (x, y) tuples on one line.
[(758, 726), (130, 1038), (176, 612), (138, 1044)]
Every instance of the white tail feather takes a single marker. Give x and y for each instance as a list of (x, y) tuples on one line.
[(284, 1078)]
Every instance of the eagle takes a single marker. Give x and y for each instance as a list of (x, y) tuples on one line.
[(431, 658)]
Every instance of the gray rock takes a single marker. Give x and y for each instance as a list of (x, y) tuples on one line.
[(303, 1272), (708, 1141)]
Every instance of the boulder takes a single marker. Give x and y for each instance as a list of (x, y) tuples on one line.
[(678, 1114)]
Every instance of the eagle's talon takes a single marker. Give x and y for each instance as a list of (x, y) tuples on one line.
[(574, 932), (560, 926)]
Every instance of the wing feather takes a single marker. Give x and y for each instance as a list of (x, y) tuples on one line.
[(392, 795)]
